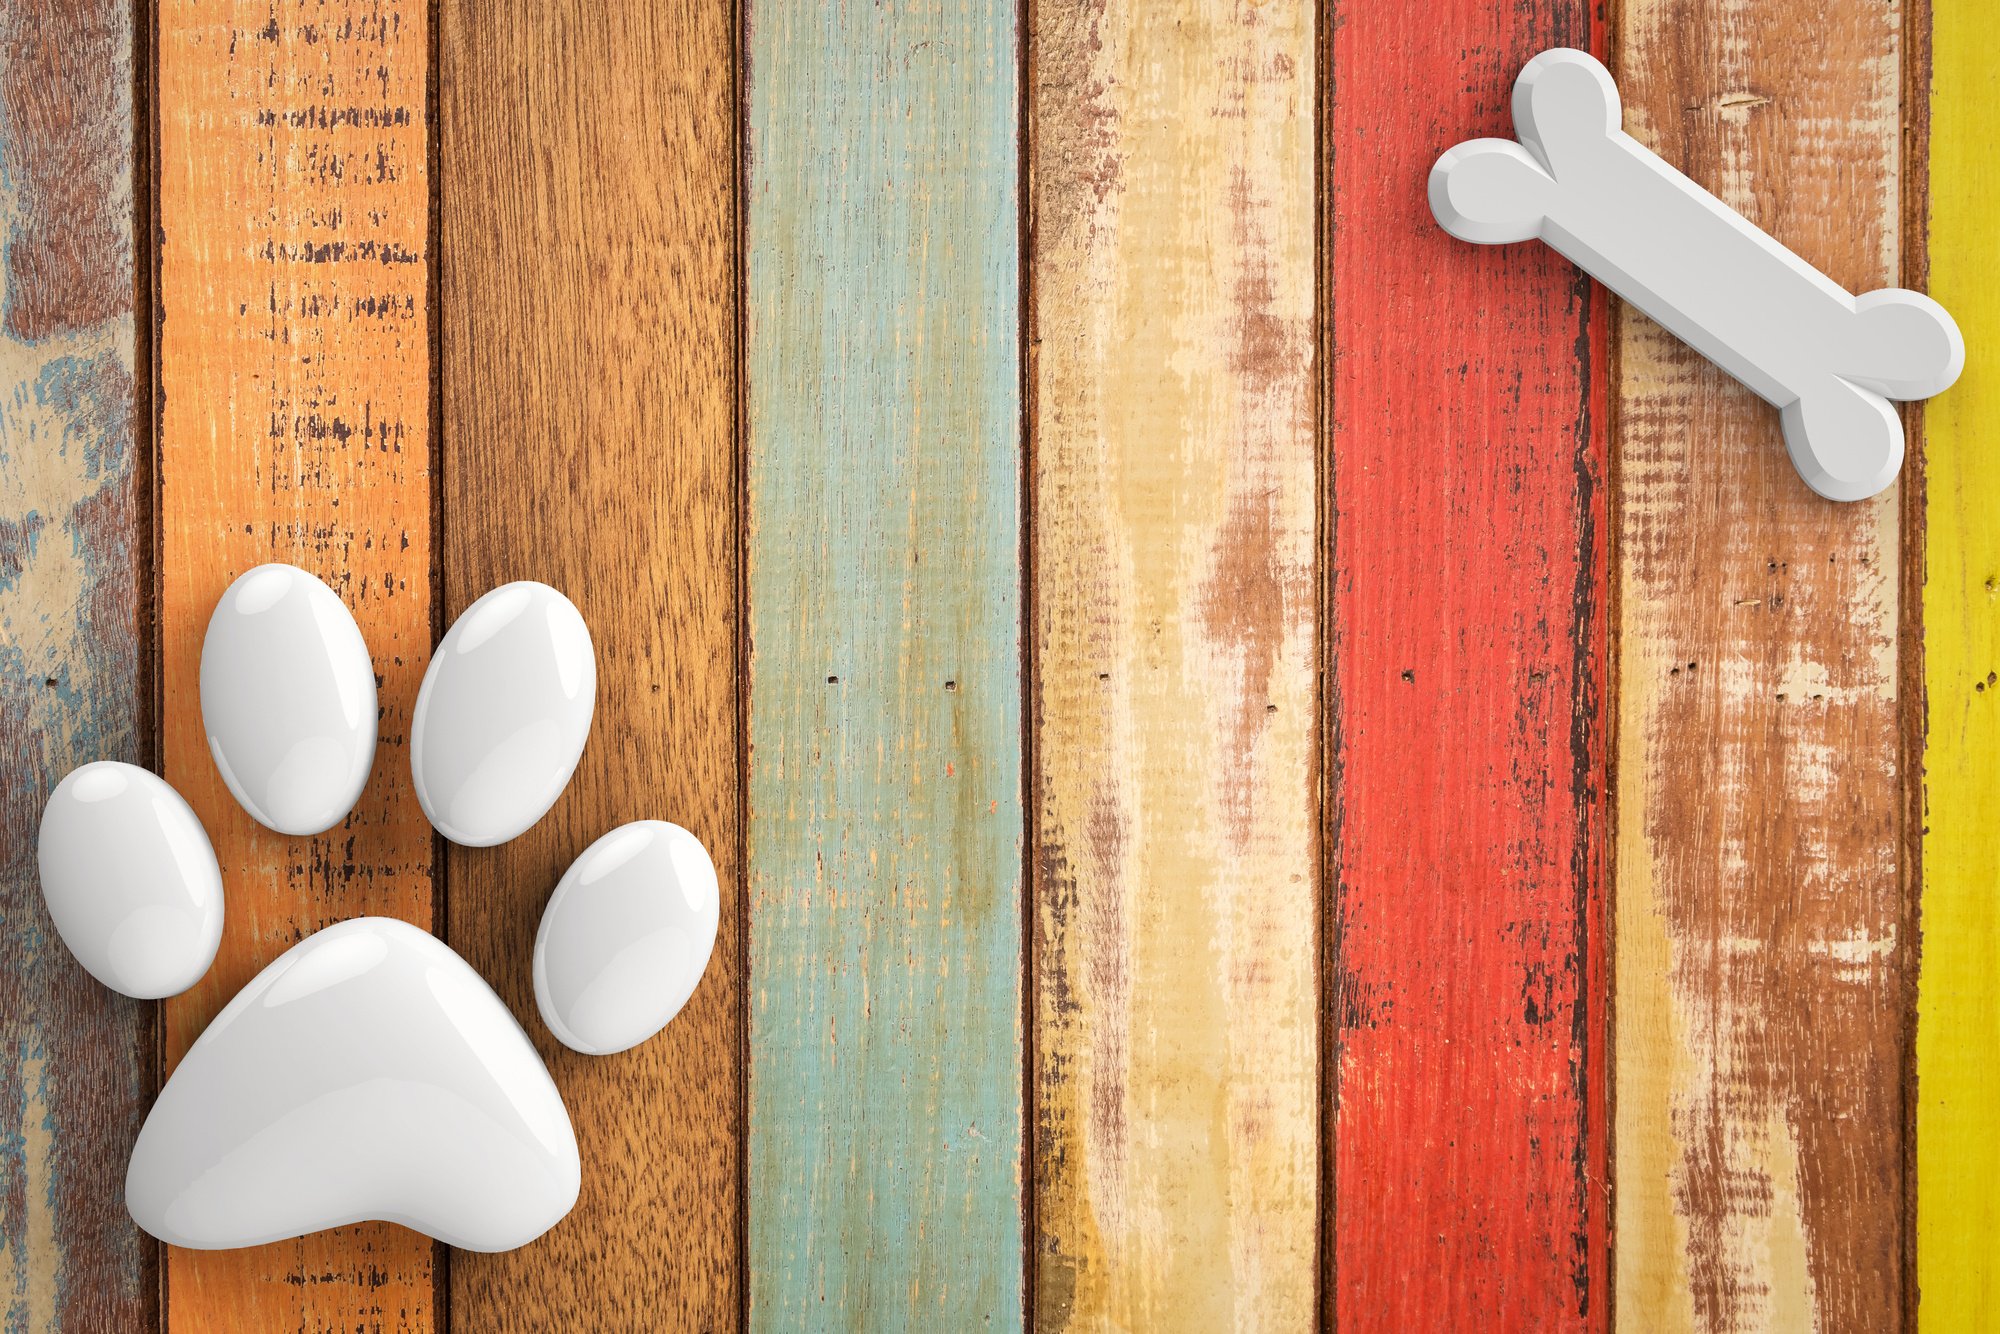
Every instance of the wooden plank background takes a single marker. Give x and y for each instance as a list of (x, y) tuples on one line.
[(76, 684), (588, 309), (1175, 632), (294, 426), (1352, 563), (1761, 964), (1958, 1019), (884, 583), (1467, 438)]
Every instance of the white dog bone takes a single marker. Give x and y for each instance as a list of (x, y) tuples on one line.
[(1828, 360)]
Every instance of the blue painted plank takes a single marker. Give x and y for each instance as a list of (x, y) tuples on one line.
[(884, 577), (75, 1058)]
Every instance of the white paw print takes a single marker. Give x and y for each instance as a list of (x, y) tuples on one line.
[(369, 1073)]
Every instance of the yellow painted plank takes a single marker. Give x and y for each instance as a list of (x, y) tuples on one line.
[(1174, 637), (1958, 1003)]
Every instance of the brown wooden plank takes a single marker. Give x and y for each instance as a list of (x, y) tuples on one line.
[(1761, 1006), (76, 1059), (587, 294), (294, 370), (1175, 636)]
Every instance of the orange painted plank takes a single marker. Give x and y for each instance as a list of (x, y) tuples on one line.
[(76, 1059), (1175, 635), (294, 363), (587, 163), (1761, 960)]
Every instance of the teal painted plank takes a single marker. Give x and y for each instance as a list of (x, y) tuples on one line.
[(885, 816), (75, 1059)]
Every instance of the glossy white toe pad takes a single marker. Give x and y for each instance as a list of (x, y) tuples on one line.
[(130, 879), (503, 714), (626, 937), (288, 700), (367, 1073), (1828, 360)]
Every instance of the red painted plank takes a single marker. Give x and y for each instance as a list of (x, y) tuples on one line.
[(1466, 655)]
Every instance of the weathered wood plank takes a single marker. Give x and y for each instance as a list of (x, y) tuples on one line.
[(1760, 964), (1466, 660), (76, 1060), (1958, 995), (588, 236), (294, 368), (1175, 642), (885, 817)]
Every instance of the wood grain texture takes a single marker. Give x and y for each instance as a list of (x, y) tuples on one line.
[(1467, 657), (885, 817), (588, 233), (1760, 963), (294, 369), (76, 1060), (1958, 998), (1175, 714)]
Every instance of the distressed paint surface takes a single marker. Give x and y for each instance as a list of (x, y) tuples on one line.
[(588, 306), (1958, 1000), (1466, 660), (1760, 964), (294, 365), (885, 817), (1175, 723), (75, 1058)]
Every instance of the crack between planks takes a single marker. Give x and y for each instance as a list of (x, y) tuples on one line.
[(740, 19), (441, 1254), (149, 400), (1913, 171)]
